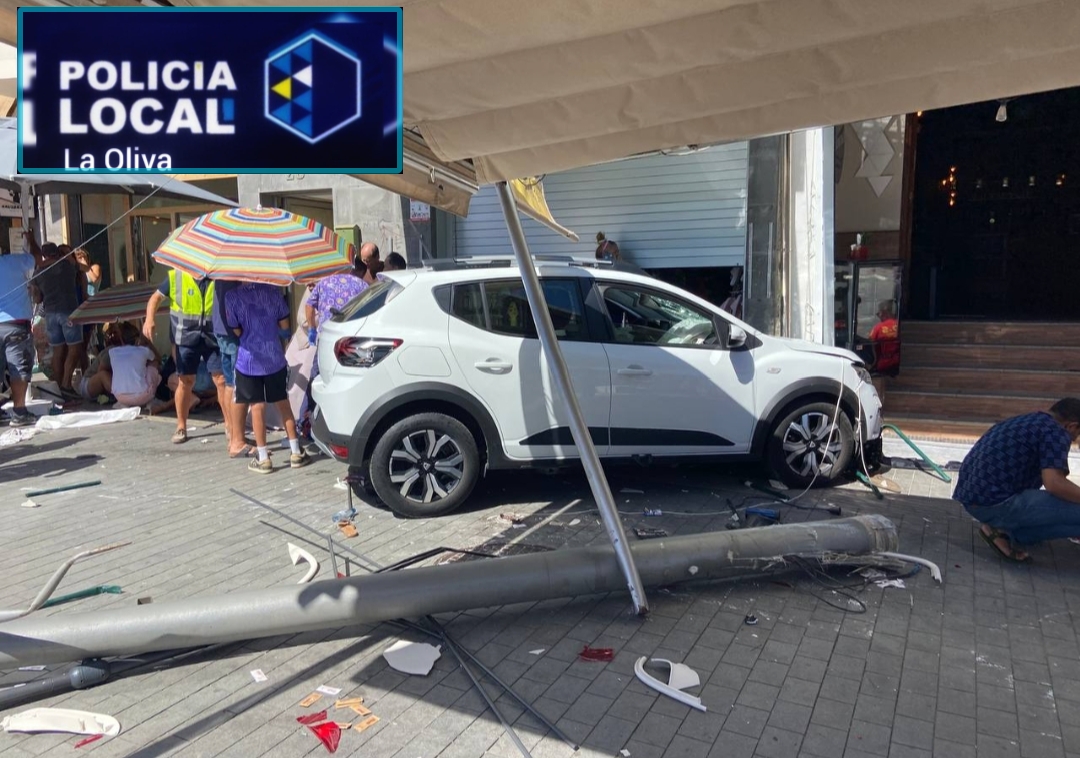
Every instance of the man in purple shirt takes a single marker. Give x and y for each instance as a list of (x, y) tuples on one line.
[(259, 315)]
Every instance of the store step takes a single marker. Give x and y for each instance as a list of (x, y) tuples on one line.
[(977, 333), (980, 381), (1021, 357), (950, 406)]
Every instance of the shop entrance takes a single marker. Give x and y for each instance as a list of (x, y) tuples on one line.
[(996, 211)]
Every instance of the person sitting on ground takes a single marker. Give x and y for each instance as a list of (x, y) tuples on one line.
[(395, 262), (203, 394), (127, 371), (259, 314), (1014, 481)]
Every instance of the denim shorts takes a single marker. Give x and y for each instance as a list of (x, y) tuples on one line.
[(61, 331), (227, 347), (16, 350)]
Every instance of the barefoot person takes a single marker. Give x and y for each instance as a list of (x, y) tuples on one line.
[(259, 314), (1000, 480)]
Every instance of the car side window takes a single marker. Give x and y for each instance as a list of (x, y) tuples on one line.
[(468, 305), (508, 309), (647, 317)]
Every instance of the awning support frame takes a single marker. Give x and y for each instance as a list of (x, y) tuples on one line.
[(594, 471)]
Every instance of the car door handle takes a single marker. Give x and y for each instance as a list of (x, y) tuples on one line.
[(634, 371), (494, 366)]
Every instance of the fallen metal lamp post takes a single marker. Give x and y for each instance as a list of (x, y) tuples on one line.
[(549, 343), (373, 598)]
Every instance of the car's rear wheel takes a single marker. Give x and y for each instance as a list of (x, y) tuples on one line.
[(425, 465), (806, 446)]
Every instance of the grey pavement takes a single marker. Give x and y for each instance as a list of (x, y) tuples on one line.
[(987, 665)]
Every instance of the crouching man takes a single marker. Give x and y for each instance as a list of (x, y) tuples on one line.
[(1014, 481)]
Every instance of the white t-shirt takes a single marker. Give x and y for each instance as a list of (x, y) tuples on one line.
[(129, 369)]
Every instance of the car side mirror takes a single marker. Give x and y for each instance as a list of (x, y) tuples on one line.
[(736, 337)]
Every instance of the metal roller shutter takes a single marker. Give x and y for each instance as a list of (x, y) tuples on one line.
[(665, 211)]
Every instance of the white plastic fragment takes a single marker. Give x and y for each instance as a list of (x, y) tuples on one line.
[(538, 651), (885, 583), (326, 690), (680, 678), (624, 753), (415, 658), (258, 675), (575, 522), (61, 720), (693, 570), (297, 554), (935, 572)]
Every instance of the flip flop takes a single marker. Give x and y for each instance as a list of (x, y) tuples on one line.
[(179, 436), (245, 452), (990, 539)]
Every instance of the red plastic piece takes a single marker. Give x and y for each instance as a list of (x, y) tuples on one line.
[(312, 718), (596, 654), (88, 740), (329, 734)]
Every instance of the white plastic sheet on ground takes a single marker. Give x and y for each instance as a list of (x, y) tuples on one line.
[(82, 420)]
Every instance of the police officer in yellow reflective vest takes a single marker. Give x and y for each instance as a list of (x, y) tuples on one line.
[(191, 331)]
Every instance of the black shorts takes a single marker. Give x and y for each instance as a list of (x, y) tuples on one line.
[(262, 389)]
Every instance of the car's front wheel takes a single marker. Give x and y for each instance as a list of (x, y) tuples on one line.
[(807, 447), (425, 465)]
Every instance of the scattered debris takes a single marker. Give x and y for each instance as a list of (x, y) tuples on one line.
[(347, 514), (680, 678), (312, 718), (648, 532), (297, 554), (341, 484), (15, 436), (310, 700), (935, 572), (349, 702), (61, 720), (750, 620), (89, 740), (653, 512), (331, 691), (259, 676), (597, 654), (30, 504), (360, 710), (343, 725), (884, 583), (54, 581), (538, 651), (873, 574), (205, 441), (370, 721), (53, 490), (415, 658), (575, 522), (329, 734), (692, 570), (511, 518), (31, 668), (624, 753), (101, 589), (778, 485), (144, 600), (348, 529), (631, 491)]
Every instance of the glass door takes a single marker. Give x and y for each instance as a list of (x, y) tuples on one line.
[(876, 310)]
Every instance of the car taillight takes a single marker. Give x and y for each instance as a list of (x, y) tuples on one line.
[(363, 352)]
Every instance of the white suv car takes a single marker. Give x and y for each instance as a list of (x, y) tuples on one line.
[(431, 377)]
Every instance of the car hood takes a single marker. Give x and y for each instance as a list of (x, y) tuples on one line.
[(804, 346)]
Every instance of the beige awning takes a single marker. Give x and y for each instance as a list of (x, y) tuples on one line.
[(521, 88)]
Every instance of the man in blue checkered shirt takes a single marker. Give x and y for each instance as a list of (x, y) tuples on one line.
[(1014, 481)]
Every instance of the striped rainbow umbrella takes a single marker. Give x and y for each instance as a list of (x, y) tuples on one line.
[(124, 302), (266, 245)]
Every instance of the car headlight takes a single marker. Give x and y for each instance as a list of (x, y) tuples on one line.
[(863, 374)]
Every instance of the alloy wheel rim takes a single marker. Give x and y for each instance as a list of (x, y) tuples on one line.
[(426, 466), (807, 448)]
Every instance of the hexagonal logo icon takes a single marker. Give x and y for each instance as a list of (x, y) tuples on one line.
[(313, 87)]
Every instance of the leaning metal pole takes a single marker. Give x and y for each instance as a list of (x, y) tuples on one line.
[(598, 483), (430, 590)]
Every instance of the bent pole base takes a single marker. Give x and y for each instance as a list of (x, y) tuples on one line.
[(417, 592), (549, 343)]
